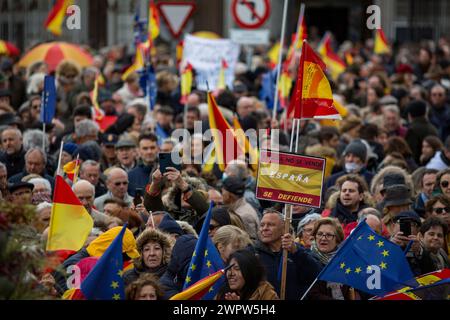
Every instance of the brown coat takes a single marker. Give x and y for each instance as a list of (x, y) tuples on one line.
[(265, 291)]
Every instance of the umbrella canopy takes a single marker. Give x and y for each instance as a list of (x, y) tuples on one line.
[(8, 48), (54, 52)]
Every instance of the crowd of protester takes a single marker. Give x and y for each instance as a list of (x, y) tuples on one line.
[(387, 163)]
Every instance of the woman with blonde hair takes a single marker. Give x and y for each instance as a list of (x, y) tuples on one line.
[(228, 239)]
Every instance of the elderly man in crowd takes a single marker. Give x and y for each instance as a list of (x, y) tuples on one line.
[(117, 184), (12, 154), (85, 191)]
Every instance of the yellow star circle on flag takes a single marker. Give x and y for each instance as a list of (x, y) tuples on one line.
[(206, 253), (380, 244), (385, 253), (371, 237), (116, 296), (120, 273), (188, 279), (383, 265), (208, 264), (193, 267), (342, 265), (348, 270), (358, 270), (115, 284)]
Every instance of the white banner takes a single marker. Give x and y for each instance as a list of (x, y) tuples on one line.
[(206, 55)]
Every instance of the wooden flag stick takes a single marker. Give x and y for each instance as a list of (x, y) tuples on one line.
[(59, 158), (75, 177)]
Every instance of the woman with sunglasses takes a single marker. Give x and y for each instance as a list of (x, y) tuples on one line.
[(328, 235), (443, 182), (439, 206)]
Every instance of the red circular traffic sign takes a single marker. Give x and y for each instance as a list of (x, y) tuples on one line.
[(250, 14)]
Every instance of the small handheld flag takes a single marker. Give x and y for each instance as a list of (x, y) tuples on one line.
[(105, 281), (55, 18), (381, 45), (48, 100)]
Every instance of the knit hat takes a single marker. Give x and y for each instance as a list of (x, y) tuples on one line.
[(169, 225), (358, 149), (234, 185), (70, 147), (416, 108)]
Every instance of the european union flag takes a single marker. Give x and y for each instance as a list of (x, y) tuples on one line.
[(267, 92), (105, 282), (370, 263), (205, 260), (48, 100), (147, 81)]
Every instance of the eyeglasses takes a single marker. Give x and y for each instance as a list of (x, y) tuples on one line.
[(125, 183), (327, 236), (438, 94), (35, 107), (441, 210), (445, 183)]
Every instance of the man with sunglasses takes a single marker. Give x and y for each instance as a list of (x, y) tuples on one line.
[(117, 184)]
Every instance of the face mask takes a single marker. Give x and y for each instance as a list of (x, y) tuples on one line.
[(224, 176), (352, 167)]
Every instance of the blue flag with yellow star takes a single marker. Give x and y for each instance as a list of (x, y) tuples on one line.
[(205, 260), (48, 100), (370, 263), (105, 282)]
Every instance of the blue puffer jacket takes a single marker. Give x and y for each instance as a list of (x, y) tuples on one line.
[(139, 177), (173, 279), (302, 269)]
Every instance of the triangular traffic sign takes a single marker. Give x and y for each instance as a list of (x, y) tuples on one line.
[(176, 15)]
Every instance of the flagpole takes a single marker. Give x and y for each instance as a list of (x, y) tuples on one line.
[(76, 169), (287, 224), (59, 158), (43, 137), (280, 56)]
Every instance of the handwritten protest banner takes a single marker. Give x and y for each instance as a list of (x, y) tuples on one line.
[(290, 178), (206, 55)]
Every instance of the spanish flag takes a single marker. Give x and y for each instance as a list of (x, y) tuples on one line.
[(200, 288), (186, 83), (139, 60), (343, 112), (284, 88), (226, 144), (71, 169), (153, 22), (246, 145), (380, 43), (333, 62), (98, 112), (312, 98), (56, 16), (273, 53), (70, 223), (221, 82), (298, 37)]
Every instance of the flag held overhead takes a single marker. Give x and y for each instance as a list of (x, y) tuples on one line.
[(48, 100)]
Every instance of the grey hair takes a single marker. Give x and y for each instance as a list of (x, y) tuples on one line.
[(392, 108), (364, 213), (43, 181), (312, 217), (86, 127), (33, 138), (239, 168), (3, 166), (17, 131), (31, 150), (43, 205), (274, 211), (89, 163)]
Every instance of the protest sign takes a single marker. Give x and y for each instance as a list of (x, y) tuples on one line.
[(290, 178), (205, 56)]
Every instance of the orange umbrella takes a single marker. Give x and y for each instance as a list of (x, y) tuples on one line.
[(54, 52), (8, 48)]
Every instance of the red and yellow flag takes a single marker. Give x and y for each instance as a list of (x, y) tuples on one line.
[(139, 60), (153, 22), (312, 98), (98, 112), (200, 288), (70, 223), (246, 145), (56, 16), (71, 169), (381, 45), (284, 88), (186, 83), (333, 62), (297, 39), (273, 54), (227, 147), (221, 84)]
